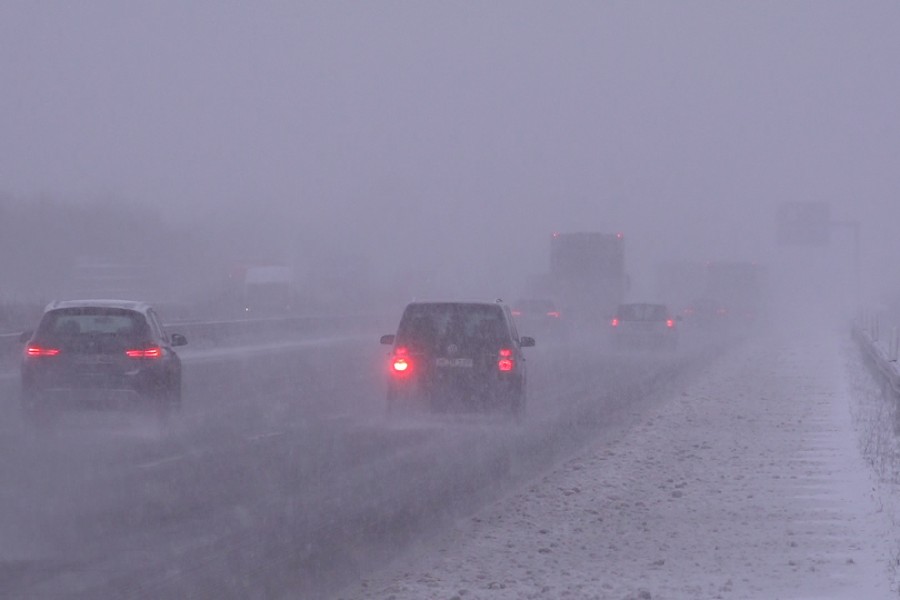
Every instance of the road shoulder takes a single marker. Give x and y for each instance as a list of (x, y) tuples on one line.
[(746, 484)]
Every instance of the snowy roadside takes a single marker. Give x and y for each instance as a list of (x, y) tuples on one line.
[(877, 420), (749, 484)]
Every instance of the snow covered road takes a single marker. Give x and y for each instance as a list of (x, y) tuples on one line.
[(746, 484)]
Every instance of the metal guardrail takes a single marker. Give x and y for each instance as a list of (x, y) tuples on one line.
[(880, 345), (9, 347), (235, 331), (227, 330)]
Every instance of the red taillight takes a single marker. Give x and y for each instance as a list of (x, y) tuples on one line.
[(670, 323), (614, 322), (35, 350), (517, 313), (553, 313), (400, 364), (151, 352), (505, 360)]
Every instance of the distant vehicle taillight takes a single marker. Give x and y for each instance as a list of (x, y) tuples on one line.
[(517, 313), (670, 323), (35, 350), (553, 313), (614, 322), (505, 360), (401, 365), (151, 352)]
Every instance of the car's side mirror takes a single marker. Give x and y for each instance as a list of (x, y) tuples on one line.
[(388, 340), (526, 342), (178, 340), (25, 336)]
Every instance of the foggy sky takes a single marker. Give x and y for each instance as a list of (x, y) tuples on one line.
[(457, 136)]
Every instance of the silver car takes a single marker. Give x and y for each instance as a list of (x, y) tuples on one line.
[(644, 326)]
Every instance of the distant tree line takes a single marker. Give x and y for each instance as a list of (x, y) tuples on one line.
[(42, 241)]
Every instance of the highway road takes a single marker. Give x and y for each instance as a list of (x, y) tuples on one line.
[(283, 476)]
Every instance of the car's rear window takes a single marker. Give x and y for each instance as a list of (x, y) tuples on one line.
[(642, 312), (93, 321), (430, 325)]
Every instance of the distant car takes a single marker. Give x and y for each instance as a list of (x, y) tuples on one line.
[(85, 352), (705, 313), (644, 326), (539, 317), (464, 352)]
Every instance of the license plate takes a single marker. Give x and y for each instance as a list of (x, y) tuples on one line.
[(93, 359), (454, 362)]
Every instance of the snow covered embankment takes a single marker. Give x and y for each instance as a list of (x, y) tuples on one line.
[(749, 484)]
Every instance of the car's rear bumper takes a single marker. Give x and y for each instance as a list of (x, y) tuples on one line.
[(645, 340), (106, 398), (71, 385), (462, 387)]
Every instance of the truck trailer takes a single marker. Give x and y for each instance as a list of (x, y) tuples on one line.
[(587, 274)]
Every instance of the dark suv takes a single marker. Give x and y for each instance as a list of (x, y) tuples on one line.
[(464, 352), (88, 350)]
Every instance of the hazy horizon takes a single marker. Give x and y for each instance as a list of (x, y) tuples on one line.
[(455, 138)]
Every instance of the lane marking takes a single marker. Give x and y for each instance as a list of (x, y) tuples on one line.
[(179, 457), (262, 436), (163, 461)]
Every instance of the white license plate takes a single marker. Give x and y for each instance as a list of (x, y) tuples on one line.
[(454, 362)]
